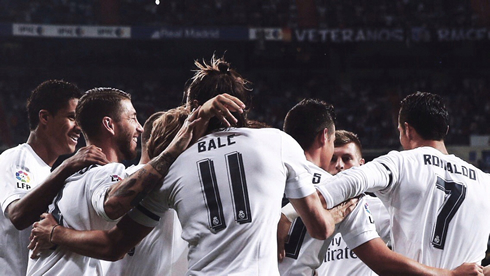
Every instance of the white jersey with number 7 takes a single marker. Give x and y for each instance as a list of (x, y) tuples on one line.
[(439, 204)]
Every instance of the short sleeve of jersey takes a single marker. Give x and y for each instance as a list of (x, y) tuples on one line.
[(358, 227), (20, 171), (298, 183), (101, 181), (8, 181), (390, 162)]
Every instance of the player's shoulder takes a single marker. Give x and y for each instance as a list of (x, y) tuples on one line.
[(14, 152), (132, 169), (116, 168), (20, 156), (95, 170), (315, 169), (258, 131), (408, 155)]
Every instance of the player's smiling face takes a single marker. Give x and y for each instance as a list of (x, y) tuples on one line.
[(63, 130), (128, 130)]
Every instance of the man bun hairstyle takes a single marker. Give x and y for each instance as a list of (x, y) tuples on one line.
[(216, 78)]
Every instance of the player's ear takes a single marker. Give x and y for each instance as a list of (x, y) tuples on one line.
[(43, 116), (108, 124), (362, 162), (323, 136), (408, 131)]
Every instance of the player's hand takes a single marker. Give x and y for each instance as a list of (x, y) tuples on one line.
[(221, 107), (341, 211), (468, 269), (183, 138), (486, 270), (282, 236), (41, 234), (86, 156)]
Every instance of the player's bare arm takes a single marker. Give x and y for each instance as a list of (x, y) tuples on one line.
[(387, 262), (127, 193), (319, 222), (110, 245), (24, 212)]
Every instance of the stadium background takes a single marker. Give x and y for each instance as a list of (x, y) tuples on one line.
[(362, 56)]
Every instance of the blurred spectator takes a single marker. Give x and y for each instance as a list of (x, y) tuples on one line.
[(251, 13)]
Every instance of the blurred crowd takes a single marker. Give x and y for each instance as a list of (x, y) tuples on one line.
[(366, 107), (251, 13)]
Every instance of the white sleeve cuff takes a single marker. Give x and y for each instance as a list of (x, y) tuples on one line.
[(289, 211), (326, 195), (98, 199)]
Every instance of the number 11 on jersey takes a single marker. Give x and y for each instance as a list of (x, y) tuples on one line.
[(238, 187)]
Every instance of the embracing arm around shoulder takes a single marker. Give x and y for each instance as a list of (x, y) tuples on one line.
[(318, 221), (22, 213), (372, 176), (110, 245)]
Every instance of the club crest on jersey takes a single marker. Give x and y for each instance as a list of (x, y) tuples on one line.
[(115, 178), (22, 176)]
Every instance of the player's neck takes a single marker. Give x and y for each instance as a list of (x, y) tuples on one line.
[(438, 145), (314, 156), (110, 152), (41, 146)]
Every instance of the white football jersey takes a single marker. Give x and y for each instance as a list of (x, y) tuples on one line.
[(21, 170), (437, 203), (80, 206), (304, 254), (163, 252), (227, 190), (340, 259)]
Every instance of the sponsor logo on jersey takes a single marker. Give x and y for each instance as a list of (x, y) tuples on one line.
[(335, 252)]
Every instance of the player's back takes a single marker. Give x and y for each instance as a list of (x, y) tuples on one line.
[(438, 206), (227, 190)]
